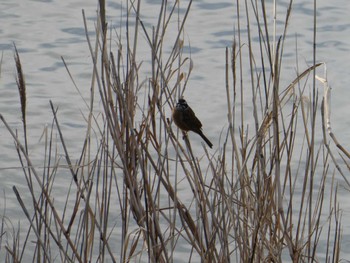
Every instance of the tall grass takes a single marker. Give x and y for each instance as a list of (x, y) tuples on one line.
[(267, 194)]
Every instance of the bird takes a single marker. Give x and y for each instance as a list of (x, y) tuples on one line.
[(186, 120)]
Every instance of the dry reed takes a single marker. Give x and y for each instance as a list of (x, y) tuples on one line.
[(259, 198)]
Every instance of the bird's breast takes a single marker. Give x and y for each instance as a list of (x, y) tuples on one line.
[(178, 117)]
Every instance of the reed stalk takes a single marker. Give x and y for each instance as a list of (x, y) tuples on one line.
[(267, 193)]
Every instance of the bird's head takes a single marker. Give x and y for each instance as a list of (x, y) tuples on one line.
[(182, 104)]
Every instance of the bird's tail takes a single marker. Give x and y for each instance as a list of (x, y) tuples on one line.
[(206, 139)]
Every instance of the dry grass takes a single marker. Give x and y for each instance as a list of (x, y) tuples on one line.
[(267, 194)]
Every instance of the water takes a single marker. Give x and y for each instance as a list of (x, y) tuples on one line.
[(43, 31)]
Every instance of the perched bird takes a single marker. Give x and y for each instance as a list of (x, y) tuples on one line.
[(186, 120)]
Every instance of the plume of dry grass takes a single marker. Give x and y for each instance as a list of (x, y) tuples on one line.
[(259, 198)]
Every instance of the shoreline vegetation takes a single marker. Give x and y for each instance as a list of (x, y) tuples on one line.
[(267, 194)]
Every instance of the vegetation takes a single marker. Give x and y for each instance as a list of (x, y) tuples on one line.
[(138, 193)]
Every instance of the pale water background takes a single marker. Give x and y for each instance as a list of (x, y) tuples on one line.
[(46, 30)]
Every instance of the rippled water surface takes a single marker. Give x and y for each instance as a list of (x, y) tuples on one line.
[(46, 31)]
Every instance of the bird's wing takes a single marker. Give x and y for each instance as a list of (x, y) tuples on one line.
[(191, 119)]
